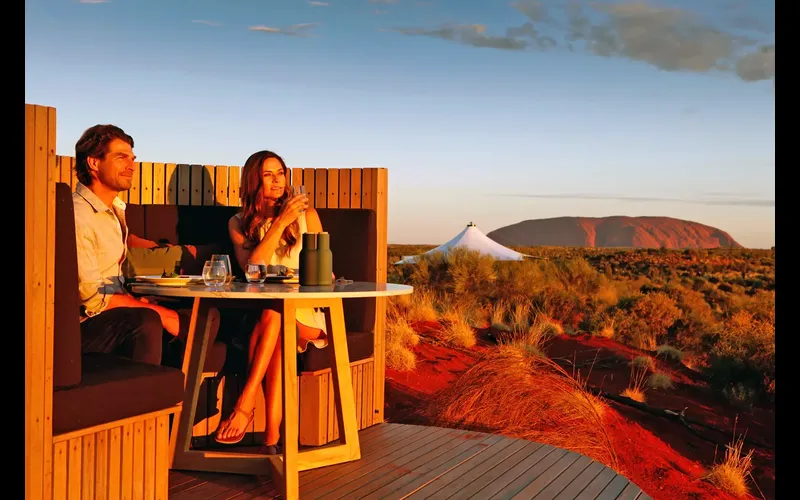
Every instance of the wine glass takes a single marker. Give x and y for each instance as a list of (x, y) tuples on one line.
[(256, 271), (226, 261), (214, 273)]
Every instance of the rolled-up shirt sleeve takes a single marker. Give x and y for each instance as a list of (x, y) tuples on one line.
[(94, 290)]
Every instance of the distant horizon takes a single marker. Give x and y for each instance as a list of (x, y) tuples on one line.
[(487, 231)]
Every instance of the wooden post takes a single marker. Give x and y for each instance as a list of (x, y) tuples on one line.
[(41, 172)]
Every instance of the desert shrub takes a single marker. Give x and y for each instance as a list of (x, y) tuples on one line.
[(668, 352), (648, 319), (660, 380), (529, 397), (470, 273), (743, 352)]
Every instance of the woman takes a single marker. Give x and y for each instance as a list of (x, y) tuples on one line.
[(269, 228)]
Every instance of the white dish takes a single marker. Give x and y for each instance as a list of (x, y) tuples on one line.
[(157, 279)]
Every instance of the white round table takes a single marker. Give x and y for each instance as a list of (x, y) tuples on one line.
[(292, 297)]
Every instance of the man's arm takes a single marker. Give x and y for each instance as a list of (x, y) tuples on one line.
[(98, 296), (137, 242)]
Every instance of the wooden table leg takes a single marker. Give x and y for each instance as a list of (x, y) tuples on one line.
[(193, 359), (285, 469)]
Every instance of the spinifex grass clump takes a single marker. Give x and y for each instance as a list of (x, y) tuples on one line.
[(530, 397), (731, 474)]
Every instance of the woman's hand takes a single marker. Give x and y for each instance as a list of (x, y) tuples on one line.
[(292, 209)]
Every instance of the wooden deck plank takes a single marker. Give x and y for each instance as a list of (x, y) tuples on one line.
[(354, 470), (581, 482), (482, 481), (408, 463), (631, 492), (556, 478), (519, 476), (417, 462), (597, 485), (445, 479), (345, 485), (410, 481), (373, 453), (614, 488)]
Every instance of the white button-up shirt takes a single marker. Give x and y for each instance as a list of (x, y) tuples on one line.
[(101, 234)]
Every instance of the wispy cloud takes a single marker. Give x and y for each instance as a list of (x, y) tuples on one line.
[(723, 199), (207, 23), (318, 4), (300, 30), (473, 34), (385, 2), (670, 39), (94, 1)]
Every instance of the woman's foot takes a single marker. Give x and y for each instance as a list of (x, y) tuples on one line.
[(232, 430)]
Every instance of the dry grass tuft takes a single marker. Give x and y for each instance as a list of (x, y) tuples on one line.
[(529, 397), (730, 475), (421, 306), (668, 352), (458, 332), (400, 337), (660, 380), (638, 380), (644, 362)]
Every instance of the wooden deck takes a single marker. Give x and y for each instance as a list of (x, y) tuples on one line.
[(416, 462)]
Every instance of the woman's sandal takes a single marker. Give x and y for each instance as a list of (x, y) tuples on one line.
[(235, 439)]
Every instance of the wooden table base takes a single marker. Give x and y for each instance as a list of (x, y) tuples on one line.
[(284, 469)]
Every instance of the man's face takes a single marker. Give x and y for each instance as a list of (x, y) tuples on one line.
[(115, 170)]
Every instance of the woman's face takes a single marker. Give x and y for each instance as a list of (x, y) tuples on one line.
[(273, 179)]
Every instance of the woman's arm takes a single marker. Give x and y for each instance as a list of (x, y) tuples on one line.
[(312, 221), (262, 251)]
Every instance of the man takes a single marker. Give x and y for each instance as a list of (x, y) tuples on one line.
[(113, 320)]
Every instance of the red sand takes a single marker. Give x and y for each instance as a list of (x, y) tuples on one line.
[(661, 456)]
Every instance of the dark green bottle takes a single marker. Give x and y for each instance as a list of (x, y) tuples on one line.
[(308, 260), (324, 259)]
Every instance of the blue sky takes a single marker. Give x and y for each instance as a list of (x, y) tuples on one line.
[(482, 110)]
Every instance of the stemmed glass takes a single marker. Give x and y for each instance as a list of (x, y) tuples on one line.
[(226, 262), (214, 273)]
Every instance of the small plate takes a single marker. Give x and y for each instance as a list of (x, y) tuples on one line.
[(282, 279), (157, 279)]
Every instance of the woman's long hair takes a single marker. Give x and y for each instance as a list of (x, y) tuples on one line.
[(254, 206)]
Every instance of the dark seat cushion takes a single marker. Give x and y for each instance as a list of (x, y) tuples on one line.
[(359, 346), (113, 388), (67, 332)]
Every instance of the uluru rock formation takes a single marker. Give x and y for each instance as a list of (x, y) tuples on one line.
[(616, 231)]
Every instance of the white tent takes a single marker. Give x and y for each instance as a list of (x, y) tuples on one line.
[(473, 239)]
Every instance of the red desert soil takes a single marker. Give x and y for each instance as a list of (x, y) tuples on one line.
[(661, 456)]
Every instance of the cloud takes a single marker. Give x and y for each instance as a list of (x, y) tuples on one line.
[(469, 35), (299, 30), (668, 38), (723, 199), (207, 23), (318, 4)]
